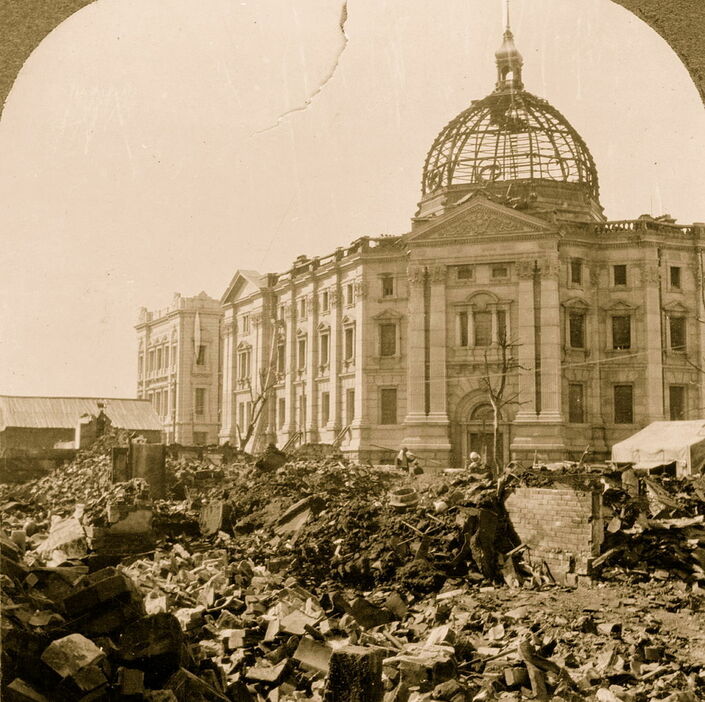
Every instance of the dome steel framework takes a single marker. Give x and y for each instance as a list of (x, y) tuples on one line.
[(509, 136)]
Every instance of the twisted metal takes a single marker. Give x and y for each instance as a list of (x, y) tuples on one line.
[(509, 136)]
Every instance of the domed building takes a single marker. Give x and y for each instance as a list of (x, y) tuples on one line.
[(512, 320)]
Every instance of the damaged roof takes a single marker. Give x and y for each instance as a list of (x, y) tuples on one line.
[(64, 412)]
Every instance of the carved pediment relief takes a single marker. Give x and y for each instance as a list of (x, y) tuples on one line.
[(388, 314), (477, 220)]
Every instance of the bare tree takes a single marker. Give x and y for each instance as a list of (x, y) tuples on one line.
[(260, 392), (494, 383)]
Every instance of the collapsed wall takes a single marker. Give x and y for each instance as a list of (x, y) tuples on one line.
[(560, 525)]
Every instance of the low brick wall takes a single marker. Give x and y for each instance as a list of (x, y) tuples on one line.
[(560, 525)]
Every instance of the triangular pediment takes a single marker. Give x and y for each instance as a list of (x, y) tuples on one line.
[(243, 284), (479, 218)]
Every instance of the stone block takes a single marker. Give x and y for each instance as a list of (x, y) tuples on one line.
[(20, 691), (368, 615), (313, 654), (355, 675), (68, 655)]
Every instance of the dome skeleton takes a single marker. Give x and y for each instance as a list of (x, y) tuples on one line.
[(510, 135)]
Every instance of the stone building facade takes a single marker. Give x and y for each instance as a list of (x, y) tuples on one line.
[(510, 291), (178, 367)]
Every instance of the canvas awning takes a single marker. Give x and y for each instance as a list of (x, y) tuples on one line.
[(661, 443)]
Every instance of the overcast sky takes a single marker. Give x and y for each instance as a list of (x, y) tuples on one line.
[(154, 146)]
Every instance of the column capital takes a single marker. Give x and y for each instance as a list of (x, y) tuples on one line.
[(438, 273), (525, 268), (416, 275), (360, 289), (550, 268)]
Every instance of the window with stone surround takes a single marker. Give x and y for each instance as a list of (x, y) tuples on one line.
[(199, 402), (349, 405), (621, 332), (482, 327), (349, 294), (499, 271), (619, 275), (301, 353), (576, 271), (324, 348), (676, 333), (387, 281), (243, 364), (388, 339), (676, 402), (623, 404), (576, 403), (325, 408), (465, 272), (576, 329), (675, 277), (201, 355), (388, 406), (281, 357), (463, 318), (245, 323), (302, 308), (325, 301), (281, 411), (349, 343)]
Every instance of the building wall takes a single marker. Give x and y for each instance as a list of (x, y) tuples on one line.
[(442, 401), (181, 382)]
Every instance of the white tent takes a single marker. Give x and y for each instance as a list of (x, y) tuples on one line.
[(661, 443)]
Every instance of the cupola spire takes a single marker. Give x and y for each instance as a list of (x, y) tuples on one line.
[(509, 61)]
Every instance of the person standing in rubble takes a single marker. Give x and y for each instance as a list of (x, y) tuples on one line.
[(402, 459)]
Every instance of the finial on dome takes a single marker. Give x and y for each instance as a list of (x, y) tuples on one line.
[(509, 60)]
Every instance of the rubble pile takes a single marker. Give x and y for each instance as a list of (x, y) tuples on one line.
[(313, 578)]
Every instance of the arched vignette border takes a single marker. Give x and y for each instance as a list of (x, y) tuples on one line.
[(25, 23)]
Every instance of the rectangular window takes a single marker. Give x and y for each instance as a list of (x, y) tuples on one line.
[(199, 405), (387, 339), (576, 403), (349, 405), (619, 274), (241, 414), (302, 411), (244, 365), (245, 323), (676, 402), (676, 328), (165, 403), (302, 354), (166, 356), (349, 294), (282, 312), (576, 324), (325, 301), (463, 324), (621, 332), (349, 343), (501, 326), (576, 272), (159, 358), (325, 408), (465, 272), (675, 276), (200, 438), (173, 355), (150, 365), (139, 366), (499, 272), (324, 346), (201, 355), (387, 285), (623, 404), (281, 358), (282, 412), (302, 307), (482, 323), (388, 406)]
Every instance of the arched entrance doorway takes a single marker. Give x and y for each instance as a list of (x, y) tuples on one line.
[(479, 435)]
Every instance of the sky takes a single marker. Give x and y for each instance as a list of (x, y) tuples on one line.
[(156, 146)]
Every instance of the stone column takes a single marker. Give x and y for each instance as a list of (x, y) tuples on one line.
[(311, 431), (226, 417), (438, 327), (525, 340), (654, 340), (336, 351), (551, 377), (291, 367), (415, 411)]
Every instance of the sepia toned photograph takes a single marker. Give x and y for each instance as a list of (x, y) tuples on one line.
[(352, 351)]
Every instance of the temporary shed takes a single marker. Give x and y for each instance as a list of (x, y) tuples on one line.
[(661, 443), (32, 423)]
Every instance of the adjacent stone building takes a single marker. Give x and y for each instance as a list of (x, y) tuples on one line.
[(178, 366), (510, 291)]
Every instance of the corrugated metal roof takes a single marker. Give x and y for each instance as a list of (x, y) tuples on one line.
[(64, 412)]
